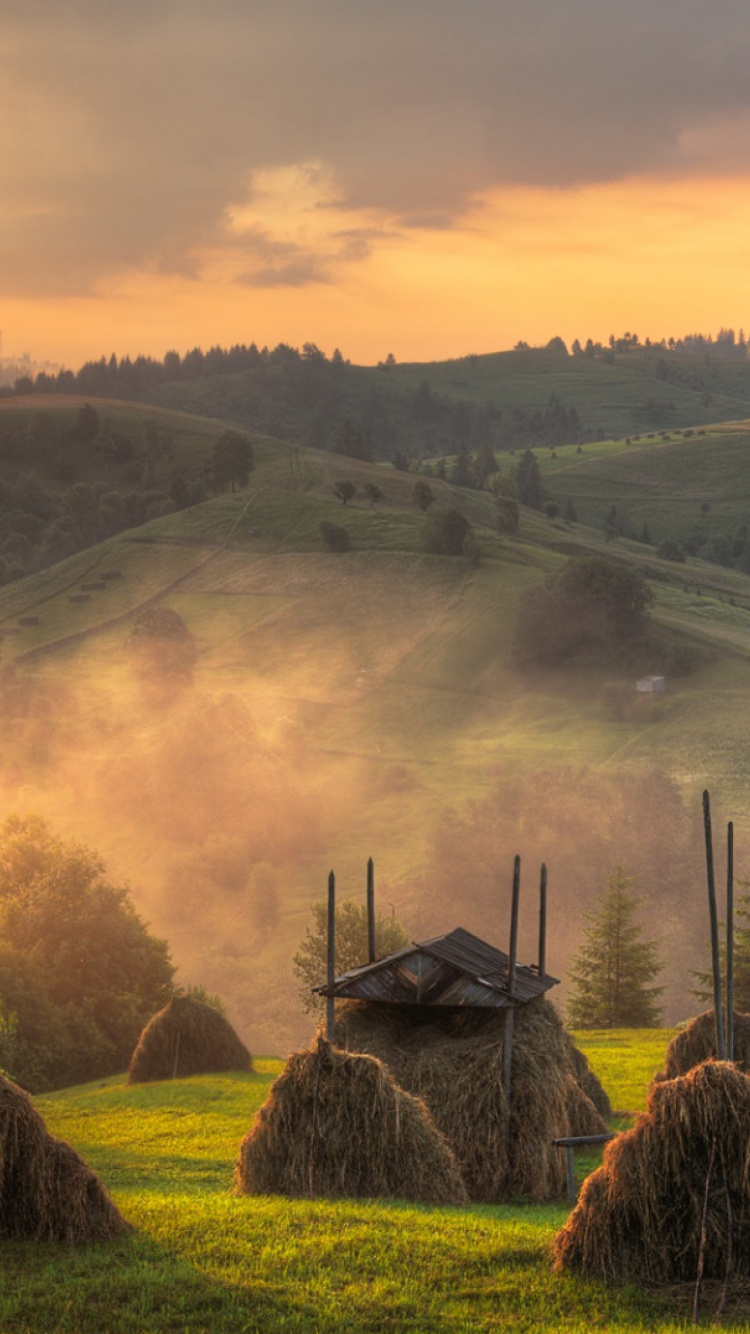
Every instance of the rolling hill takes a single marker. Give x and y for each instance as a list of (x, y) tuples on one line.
[(365, 703)]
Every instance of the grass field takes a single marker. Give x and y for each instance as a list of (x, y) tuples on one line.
[(201, 1259)]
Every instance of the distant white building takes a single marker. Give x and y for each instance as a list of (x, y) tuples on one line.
[(651, 685)]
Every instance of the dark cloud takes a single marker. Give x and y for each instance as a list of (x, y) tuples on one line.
[(131, 129), (296, 273)]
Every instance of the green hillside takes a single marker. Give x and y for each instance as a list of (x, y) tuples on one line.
[(366, 703), (200, 1259), (531, 396)]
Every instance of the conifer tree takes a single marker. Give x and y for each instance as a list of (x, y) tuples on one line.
[(612, 969)]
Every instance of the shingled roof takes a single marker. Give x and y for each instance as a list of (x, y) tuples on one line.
[(455, 969)]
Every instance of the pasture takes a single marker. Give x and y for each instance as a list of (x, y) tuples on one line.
[(200, 1259)]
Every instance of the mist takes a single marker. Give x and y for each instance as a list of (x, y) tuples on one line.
[(223, 812)]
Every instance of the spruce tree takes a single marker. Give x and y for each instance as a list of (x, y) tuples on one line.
[(612, 969)]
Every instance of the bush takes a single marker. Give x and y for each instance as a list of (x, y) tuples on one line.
[(445, 532), (591, 605), (334, 537)]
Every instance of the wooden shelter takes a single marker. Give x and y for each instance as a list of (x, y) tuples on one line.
[(457, 969)]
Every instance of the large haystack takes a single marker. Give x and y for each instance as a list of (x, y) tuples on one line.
[(337, 1125), (697, 1043), (640, 1214), (47, 1193), (589, 1083), (453, 1060), (187, 1037)]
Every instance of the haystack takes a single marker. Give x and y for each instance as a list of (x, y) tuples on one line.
[(640, 1214), (697, 1043), (453, 1060), (335, 1125), (589, 1083), (47, 1193), (187, 1037)]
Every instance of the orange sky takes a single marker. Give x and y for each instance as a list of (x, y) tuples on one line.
[(356, 178)]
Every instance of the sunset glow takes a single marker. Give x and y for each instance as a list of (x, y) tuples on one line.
[(358, 181)]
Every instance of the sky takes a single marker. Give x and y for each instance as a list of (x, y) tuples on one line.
[(427, 178)]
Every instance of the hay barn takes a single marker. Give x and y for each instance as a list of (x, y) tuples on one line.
[(47, 1193), (436, 1014), (683, 1166), (187, 1037)]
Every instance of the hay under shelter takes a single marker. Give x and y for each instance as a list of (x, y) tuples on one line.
[(640, 1215), (187, 1037), (47, 1193), (453, 1060), (697, 1043), (337, 1125)]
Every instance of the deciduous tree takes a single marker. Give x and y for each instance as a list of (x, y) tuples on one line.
[(311, 960), (80, 974)]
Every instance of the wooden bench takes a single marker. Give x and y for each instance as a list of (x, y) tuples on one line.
[(572, 1142)]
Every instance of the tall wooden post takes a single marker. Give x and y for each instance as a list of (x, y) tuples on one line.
[(543, 922), (331, 954), (510, 1012), (371, 911), (718, 1000), (730, 941)]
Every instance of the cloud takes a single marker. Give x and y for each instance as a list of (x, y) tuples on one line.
[(131, 132)]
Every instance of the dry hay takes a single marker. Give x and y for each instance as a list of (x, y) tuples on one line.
[(336, 1124), (47, 1193), (588, 1082), (640, 1214), (187, 1037), (697, 1043), (453, 1060)]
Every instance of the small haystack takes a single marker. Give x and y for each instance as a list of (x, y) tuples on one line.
[(453, 1060), (640, 1214), (47, 1193), (187, 1037), (697, 1043), (336, 1125)]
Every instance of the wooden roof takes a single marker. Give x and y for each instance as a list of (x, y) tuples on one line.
[(455, 969)]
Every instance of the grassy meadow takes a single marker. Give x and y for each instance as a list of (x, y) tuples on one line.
[(356, 704), (200, 1259)]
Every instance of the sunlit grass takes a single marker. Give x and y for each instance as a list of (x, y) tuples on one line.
[(202, 1259)]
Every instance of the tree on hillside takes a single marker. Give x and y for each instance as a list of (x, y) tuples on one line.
[(422, 494), (704, 988), (230, 462), (345, 491), (445, 532), (85, 425), (162, 648), (80, 974), (373, 493), (612, 970), (311, 960), (592, 605), (335, 538), (528, 481)]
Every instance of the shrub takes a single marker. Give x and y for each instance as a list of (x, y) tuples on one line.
[(445, 532), (335, 538)]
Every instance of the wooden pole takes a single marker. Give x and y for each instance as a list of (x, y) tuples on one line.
[(371, 910), (730, 941), (331, 954), (543, 922), (510, 1012), (718, 1006), (514, 927)]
